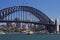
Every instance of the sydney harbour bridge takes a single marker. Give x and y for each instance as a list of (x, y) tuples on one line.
[(26, 15)]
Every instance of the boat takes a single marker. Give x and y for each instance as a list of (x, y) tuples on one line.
[(1, 32), (27, 32)]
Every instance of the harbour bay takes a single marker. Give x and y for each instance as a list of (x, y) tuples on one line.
[(30, 37)]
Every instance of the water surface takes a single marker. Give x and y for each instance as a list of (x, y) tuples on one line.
[(30, 37)]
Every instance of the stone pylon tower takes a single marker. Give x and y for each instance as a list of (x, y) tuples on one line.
[(57, 25)]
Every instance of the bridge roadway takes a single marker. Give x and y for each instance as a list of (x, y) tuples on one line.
[(38, 23)]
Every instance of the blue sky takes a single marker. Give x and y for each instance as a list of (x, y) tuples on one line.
[(50, 7)]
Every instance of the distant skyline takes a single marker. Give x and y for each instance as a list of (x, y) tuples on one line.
[(49, 7)]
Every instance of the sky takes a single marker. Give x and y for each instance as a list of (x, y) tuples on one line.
[(49, 7)]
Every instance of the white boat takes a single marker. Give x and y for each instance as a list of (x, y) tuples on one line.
[(27, 32), (30, 32), (1, 32)]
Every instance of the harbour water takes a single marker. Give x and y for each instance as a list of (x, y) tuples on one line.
[(30, 37)]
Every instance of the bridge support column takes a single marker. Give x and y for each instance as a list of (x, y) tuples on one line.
[(36, 25), (57, 26), (27, 26), (32, 25), (21, 26)]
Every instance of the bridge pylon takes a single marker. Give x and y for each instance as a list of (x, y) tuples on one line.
[(57, 26)]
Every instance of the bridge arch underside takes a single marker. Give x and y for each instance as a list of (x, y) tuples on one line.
[(38, 14)]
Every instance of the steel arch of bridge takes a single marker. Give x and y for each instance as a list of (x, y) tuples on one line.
[(40, 15)]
